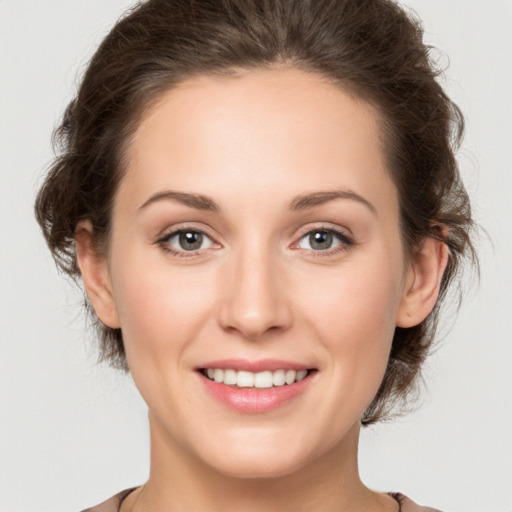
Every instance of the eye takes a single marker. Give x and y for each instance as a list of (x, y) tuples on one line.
[(323, 240), (186, 240)]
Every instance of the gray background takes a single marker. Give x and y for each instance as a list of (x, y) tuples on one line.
[(72, 433)]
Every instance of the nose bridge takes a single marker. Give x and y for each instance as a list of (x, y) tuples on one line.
[(254, 301)]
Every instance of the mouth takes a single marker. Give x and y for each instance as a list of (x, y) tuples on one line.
[(260, 380), (255, 387)]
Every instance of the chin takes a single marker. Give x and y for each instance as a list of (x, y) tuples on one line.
[(263, 456), (250, 466)]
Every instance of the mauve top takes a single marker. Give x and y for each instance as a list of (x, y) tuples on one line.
[(113, 504)]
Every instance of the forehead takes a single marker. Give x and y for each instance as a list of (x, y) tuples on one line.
[(278, 130)]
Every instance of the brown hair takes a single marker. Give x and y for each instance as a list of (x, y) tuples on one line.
[(371, 48)]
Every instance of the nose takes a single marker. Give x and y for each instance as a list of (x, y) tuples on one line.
[(254, 300)]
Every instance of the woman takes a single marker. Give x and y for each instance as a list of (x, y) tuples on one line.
[(263, 204)]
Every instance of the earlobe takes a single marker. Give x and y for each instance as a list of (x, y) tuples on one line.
[(95, 275), (422, 283)]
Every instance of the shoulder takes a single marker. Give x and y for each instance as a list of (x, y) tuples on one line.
[(112, 504), (407, 505)]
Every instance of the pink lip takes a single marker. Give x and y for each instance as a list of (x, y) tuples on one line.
[(255, 366), (255, 400)]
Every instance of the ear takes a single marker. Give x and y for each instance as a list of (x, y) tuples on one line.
[(95, 276), (422, 283)]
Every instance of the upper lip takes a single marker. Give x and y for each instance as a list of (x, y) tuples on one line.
[(260, 365)]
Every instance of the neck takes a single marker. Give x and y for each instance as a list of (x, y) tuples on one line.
[(180, 481)]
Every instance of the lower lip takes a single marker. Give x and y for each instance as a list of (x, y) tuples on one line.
[(255, 400)]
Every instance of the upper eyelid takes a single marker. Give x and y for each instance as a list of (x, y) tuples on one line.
[(166, 234), (346, 244), (163, 241), (326, 227), (174, 230), (346, 239)]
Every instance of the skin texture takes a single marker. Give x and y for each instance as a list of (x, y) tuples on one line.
[(257, 288)]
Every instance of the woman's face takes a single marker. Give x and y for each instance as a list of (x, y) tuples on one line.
[(257, 231)]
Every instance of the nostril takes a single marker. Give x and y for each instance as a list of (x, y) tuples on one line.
[(254, 306)]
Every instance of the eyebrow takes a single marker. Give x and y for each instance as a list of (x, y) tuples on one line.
[(303, 202), (196, 201), (299, 203)]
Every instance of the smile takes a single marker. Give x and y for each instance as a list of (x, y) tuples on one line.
[(261, 380), (250, 387)]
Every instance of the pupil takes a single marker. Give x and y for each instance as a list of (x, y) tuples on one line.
[(320, 240), (190, 240)]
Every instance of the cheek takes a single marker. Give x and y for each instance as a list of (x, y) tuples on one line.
[(361, 298), (160, 309), (162, 313), (353, 314)]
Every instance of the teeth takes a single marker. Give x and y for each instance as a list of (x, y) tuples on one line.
[(266, 379), (263, 380), (301, 374), (244, 379), (290, 376), (229, 377), (279, 378)]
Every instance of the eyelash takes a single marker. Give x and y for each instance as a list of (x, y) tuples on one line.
[(346, 242), (163, 242)]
